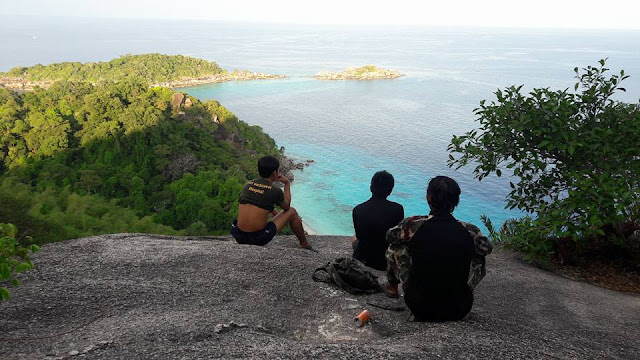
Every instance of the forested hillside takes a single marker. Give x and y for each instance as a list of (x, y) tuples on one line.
[(79, 159), (153, 68)]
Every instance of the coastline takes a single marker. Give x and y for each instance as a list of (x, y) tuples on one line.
[(243, 75), (22, 84)]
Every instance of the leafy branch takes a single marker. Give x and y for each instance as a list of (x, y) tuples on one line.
[(14, 258)]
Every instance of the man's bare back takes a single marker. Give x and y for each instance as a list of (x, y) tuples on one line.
[(252, 218)]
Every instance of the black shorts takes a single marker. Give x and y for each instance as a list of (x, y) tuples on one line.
[(260, 237)]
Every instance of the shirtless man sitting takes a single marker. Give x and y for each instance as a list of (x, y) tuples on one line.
[(258, 199)]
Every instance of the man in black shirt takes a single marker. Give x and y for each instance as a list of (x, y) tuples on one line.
[(438, 259), (258, 199), (372, 219)]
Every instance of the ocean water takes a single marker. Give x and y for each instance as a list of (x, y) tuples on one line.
[(351, 129)]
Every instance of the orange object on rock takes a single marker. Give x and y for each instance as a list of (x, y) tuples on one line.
[(362, 318)]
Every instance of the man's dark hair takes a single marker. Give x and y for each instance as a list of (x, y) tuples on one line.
[(444, 193), (382, 183), (267, 165)]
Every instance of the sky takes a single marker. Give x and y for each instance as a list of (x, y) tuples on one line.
[(597, 14)]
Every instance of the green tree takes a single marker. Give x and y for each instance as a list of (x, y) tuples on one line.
[(82, 159), (48, 133), (153, 68), (575, 157), (14, 258)]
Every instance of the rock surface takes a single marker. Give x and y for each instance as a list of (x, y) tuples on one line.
[(288, 165), (177, 100), (240, 75), (147, 296)]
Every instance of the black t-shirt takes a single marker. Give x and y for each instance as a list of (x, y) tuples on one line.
[(441, 252), (371, 220), (261, 193)]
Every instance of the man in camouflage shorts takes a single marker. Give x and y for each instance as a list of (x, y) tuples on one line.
[(437, 259)]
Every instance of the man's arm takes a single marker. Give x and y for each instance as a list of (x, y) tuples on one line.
[(482, 245), (397, 254), (286, 204)]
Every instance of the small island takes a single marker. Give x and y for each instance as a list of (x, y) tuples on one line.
[(367, 72), (156, 69)]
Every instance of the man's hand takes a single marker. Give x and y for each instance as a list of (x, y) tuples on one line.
[(283, 179), (287, 190)]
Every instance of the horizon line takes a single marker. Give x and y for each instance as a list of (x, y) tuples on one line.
[(254, 22)]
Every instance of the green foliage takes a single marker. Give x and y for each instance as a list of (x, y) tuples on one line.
[(521, 235), (366, 69), (14, 258), (81, 159), (152, 68), (575, 157), (57, 214), (198, 228), (208, 197)]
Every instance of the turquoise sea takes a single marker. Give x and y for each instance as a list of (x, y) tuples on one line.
[(350, 128)]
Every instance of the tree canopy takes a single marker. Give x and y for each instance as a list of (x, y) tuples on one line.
[(79, 159)]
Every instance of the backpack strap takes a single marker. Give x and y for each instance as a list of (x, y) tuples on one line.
[(326, 278)]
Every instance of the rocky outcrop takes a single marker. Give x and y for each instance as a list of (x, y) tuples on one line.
[(288, 165), (237, 139), (22, 84), (367, 72), (149, 296), (180, 101), (177, 100), (242, 75)]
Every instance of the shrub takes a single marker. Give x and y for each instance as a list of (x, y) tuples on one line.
[(575, 158), (14, 258), (197, 228)]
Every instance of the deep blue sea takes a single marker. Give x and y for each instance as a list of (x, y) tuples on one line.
[(350, 128)]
